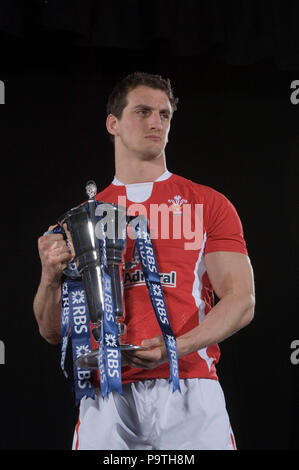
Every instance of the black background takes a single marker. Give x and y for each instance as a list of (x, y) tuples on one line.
[(235, 130)]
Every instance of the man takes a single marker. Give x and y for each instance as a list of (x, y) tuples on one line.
[(149, 415)]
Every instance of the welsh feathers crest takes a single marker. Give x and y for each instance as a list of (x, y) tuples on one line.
[(177, 203)]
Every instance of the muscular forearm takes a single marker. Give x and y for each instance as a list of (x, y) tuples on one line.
[(229, 315), (231, 276), (47, 310)]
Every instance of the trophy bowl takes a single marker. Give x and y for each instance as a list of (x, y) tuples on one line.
[(97, 231)]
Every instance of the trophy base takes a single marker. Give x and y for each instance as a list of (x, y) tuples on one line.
[(90, 360)]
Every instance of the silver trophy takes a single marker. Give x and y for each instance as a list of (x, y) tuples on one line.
[(86, 234)]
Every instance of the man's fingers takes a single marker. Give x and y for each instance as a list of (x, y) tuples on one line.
[(143, 359), (60, 250), (52, 227), (47, 240), (54, 252), (60, 246), (135, 362), (153, 342)]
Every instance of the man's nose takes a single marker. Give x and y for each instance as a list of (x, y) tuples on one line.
[(156, 121)]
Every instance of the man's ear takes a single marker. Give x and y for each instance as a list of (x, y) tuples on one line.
[(112, 124)]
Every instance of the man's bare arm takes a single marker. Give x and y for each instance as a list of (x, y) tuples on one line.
[(47, 310), (232, 279)]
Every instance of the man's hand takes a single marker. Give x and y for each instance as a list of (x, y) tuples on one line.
[(54, 255), (155, 355)]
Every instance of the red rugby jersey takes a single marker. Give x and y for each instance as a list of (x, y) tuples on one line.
[(186, 286)]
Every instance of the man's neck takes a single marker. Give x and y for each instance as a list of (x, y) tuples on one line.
[(139, 171)]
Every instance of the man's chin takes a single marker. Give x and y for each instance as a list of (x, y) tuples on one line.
[(152, 154)]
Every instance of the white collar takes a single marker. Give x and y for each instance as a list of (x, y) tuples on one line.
[(163, 177)]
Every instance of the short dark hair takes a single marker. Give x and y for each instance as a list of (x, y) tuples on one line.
[(117, 100)]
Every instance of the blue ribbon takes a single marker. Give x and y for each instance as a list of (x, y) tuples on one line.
[(110, 341), (152, 279), (75, 316), (109, 354), (64, 326), (81, 339)]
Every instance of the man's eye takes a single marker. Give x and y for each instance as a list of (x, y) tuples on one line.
[(142, 112), (165, 116)]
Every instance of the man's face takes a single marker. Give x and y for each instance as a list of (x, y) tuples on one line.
[(145, 122)]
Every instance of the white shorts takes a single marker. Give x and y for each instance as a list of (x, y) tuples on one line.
[(149, 416)]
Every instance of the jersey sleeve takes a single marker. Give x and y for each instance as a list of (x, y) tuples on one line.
[(224, 229)]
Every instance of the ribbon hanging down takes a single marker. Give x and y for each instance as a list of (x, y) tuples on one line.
[(109, 353), (152, 279), (75, 320)]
